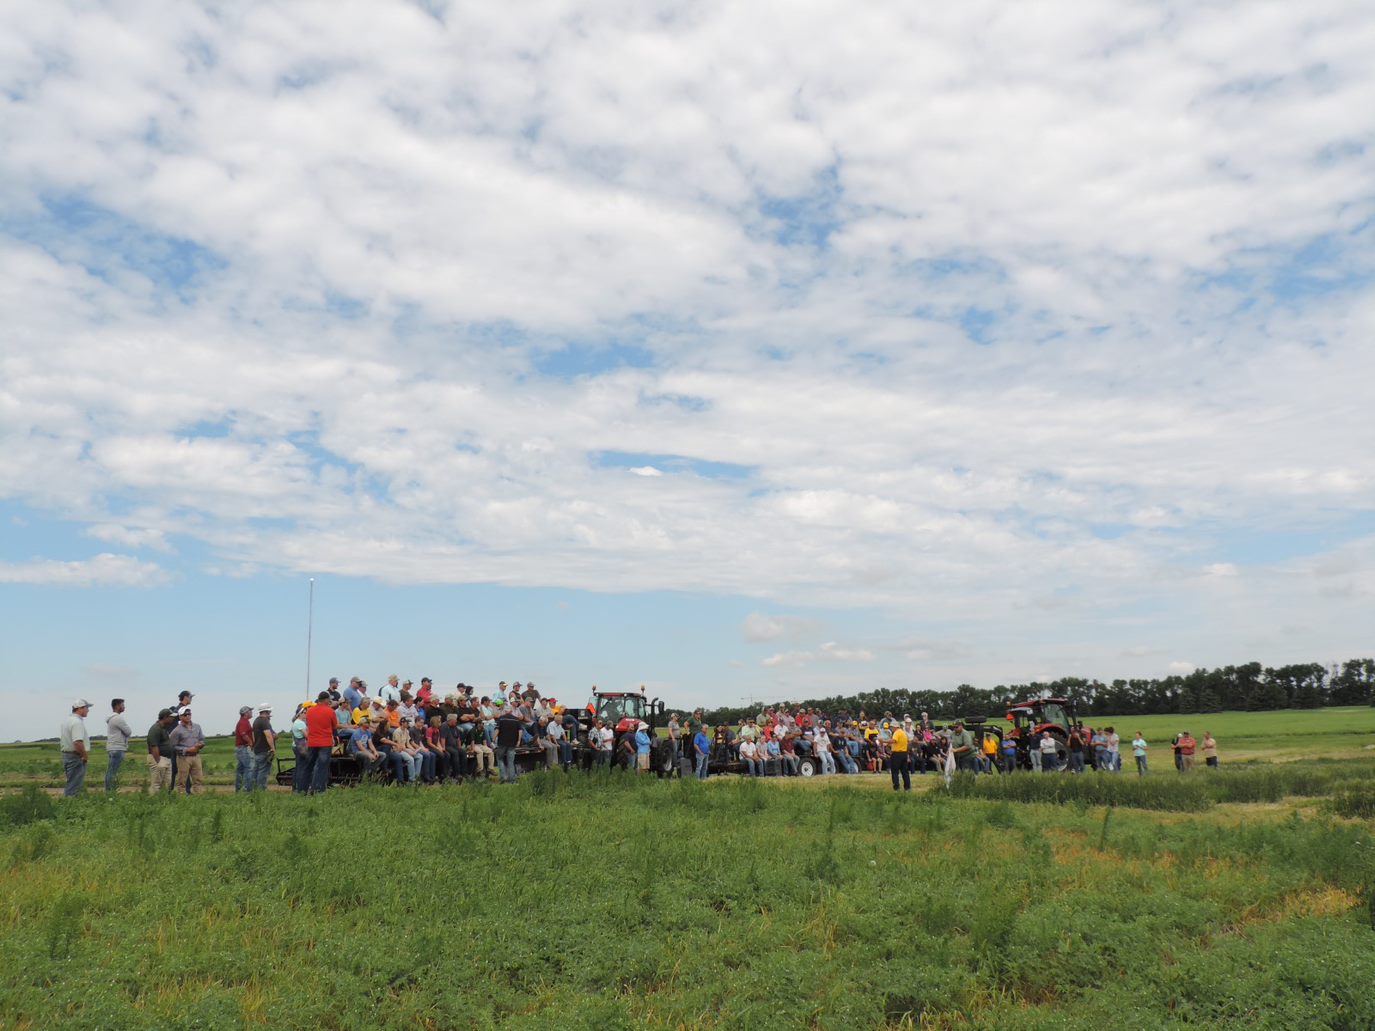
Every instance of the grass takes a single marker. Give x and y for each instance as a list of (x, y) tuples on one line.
[(1278, 735), (1171, 791), (612, 902)]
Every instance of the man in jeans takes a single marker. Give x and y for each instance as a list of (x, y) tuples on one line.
[(264, 747), (509, 727), (243, 751), (701, 749), (320, 723), (75, 742), (117, 735)]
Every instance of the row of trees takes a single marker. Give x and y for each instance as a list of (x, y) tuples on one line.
[(1253, 687)]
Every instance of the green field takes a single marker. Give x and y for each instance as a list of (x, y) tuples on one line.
[(1279, 735), (1217, 899), (617, 902)]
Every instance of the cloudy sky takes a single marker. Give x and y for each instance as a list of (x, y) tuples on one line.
[(741, 350)]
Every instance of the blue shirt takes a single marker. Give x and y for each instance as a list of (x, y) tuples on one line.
[(361, 738), (642, 742), (352, 696), (700, 742)]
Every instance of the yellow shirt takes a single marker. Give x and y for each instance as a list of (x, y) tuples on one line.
[(990, 746), (899, 740)]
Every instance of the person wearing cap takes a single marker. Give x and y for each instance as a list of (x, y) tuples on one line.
[(320, 725), (362, 749), (117, 735), (962, 747), (454, 751), (243, 751), (160, 753), (333, 689), (183, 702), (391, 690), (352, 695), (898, 758), (264, 747), (187, 742), (75, 742)]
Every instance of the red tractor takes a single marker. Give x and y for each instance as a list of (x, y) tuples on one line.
[(624, 711), (1036, 715)]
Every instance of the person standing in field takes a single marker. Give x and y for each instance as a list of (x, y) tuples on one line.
[(509, 727), (1209, 750), (899, 756), (1114, 751), (1139, 751), (1187, 746), (264, 747), (117, 735), (962, 747), (674, 742), (75, 742), (187, 742), (243, 751), (1050, 755), (701, 750), (321, 722), (160, 753), (1009, 754), (1033, 752)]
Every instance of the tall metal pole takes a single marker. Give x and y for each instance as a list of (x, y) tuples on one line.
[(310, 629)]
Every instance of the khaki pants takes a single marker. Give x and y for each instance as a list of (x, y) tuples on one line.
[(1186, 762), (482, 760), (159, 774), (189, 767)]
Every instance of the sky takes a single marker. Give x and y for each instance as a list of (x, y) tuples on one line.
[(744, 351)]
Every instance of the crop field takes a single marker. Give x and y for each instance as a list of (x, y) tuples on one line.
[(609, 901)]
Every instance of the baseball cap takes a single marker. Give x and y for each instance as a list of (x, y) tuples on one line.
[(164, 713), (80, 703), (244, 710), (264, 707)]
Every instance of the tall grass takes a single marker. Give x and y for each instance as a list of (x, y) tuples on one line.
[(1170, 792), (611, 901)]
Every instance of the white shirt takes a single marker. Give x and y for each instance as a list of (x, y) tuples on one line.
[(74, 730), (607, 735), (1047, 744), (748, 749), (389, 693)]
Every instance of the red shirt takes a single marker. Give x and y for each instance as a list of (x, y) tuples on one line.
[(320, 724), (243, 733)]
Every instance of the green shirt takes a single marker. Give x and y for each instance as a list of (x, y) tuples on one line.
[(159, 738), (964, 739)]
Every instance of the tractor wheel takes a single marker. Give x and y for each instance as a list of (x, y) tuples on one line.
[(808, 767)]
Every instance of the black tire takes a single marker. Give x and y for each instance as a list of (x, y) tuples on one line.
[(808, 766)]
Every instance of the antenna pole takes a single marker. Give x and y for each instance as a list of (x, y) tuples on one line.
[(310, 629)]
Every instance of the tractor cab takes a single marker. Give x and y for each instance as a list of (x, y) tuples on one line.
[(623, 710), (1034, 716)]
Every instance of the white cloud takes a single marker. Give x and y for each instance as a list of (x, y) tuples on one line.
[(830, 651), (104, 570), (1182, 667), (348, 290)]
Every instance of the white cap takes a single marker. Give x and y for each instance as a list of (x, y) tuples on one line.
[(264, 707), (80, 703)]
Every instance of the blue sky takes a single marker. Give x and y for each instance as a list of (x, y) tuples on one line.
[(605, 344)]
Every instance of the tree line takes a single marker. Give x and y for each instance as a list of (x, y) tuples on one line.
[(1251, 687)]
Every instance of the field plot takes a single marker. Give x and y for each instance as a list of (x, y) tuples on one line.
[(610, 902)]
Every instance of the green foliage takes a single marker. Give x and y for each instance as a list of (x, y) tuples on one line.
[(621, 902), (1168, 791), (1355, 800), (26, 806)]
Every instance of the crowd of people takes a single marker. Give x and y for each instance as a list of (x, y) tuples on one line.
[(410, 735)]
